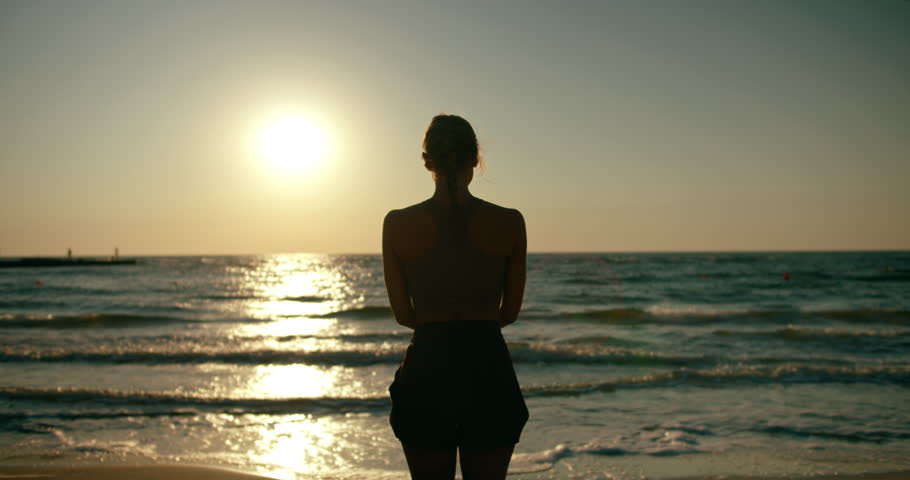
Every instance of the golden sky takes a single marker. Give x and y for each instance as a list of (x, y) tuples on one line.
[(613, 126)]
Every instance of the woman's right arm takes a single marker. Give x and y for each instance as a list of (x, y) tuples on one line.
[(393, 271), (516, 272)]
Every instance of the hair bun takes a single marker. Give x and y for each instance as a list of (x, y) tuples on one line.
[(450, 144)]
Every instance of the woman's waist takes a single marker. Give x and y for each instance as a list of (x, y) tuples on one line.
[(457, 319), (456, 327), (466, 300)]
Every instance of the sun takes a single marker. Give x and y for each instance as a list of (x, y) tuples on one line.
[(292, 143)]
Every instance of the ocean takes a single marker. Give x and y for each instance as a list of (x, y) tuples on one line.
[(655, 365)]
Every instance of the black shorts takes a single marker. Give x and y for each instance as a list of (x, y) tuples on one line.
[(456, 387)]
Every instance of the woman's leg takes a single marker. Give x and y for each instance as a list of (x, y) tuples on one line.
[(431, 463), (485, 463)]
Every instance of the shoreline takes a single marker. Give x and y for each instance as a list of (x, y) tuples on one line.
[(131, 472), (900, 475), (187, 472)]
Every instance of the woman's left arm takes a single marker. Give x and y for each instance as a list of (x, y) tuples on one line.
[(516, 273), (395, 283)]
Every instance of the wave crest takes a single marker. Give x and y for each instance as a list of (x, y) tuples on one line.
[(735, 376), (682, 314)]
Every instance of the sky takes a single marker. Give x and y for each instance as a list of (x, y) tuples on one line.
[(612, 125)]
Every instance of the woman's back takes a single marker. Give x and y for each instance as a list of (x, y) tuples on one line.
[(455, 263)]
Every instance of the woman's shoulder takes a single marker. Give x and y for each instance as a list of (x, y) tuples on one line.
[(405, 213), (420, 210), (497, 229), (501, 212)]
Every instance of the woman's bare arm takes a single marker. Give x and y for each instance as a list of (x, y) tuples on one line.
[(394, 275), (516, 272)]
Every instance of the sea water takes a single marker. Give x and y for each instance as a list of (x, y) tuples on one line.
[(658, 365)]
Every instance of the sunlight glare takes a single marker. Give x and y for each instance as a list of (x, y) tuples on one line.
[(292, 143), (293, 286), (301, 445)]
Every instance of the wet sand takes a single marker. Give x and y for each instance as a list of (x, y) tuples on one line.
[(127, 472), (188, 472)]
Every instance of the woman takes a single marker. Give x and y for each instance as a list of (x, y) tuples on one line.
[(455, 273)]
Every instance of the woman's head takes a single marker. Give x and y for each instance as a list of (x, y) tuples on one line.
[(449, 148)]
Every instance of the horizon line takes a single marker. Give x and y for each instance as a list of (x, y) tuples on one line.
[(530, 252)]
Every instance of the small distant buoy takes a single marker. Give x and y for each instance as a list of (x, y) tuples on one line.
[(38, 283), (786, 276)]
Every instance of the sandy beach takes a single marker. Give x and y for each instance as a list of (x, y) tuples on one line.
[(180, 472), (132, 472)]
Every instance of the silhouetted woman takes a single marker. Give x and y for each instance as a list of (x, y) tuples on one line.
[(455, 273)]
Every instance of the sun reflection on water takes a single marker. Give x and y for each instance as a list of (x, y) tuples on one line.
[(289, 327), (297, 285), (298, 445), (298, 292), (291, 381)]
